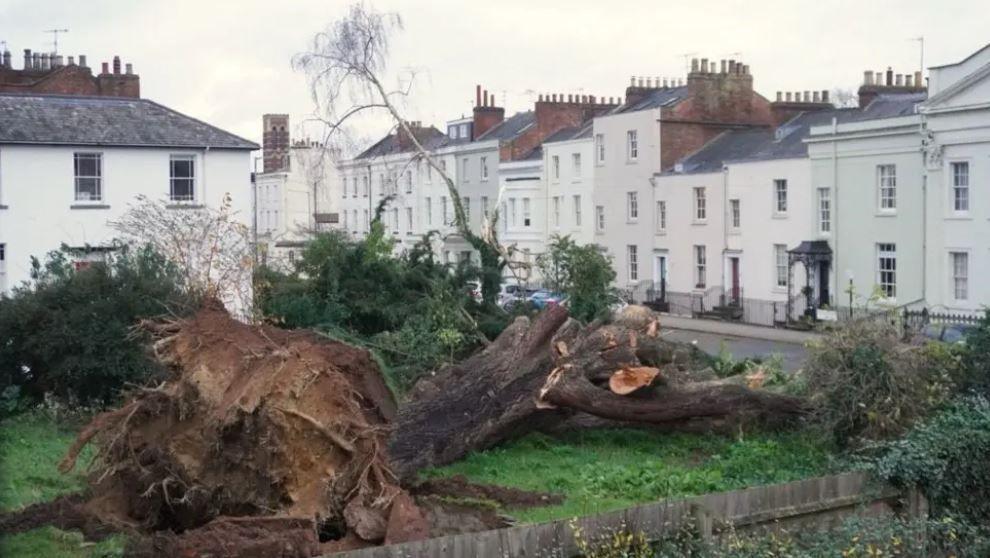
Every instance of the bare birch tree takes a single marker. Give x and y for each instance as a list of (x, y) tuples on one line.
[(347, 67)]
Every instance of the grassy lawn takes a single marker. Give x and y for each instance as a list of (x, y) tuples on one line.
[(604, 470), (31, 446)]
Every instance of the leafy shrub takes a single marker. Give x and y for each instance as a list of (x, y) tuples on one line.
[(583, 273), (946, 458), (413, 311), (69, 333), (867, 383), (975, 358)]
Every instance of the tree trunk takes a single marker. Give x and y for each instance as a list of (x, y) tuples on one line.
[(539, 374)]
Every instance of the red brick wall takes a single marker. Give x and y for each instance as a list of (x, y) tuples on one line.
[(275, 142), (551, 117), (69, 80), (486, 118), (716, 102)]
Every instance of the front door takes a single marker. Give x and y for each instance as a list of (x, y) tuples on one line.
[(734, 279), (660, 276), (824, 297)]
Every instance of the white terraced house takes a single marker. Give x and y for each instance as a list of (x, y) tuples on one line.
[(297, 194), (70, 164)]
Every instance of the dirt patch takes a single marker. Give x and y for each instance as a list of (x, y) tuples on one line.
[(458, 487), (447, 517), (254, 421), (235, 537), (67, 513)]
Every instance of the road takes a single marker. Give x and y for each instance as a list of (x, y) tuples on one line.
[(793, 353)]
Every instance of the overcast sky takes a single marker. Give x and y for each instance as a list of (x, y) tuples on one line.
[(228, 62)]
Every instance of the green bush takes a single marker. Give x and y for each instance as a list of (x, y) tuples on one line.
[(583, 273), (69, 333), (946, 458), (412, 311), (975, 358), (866, 383)]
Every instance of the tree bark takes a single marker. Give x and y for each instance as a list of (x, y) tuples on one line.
[(540, 374)]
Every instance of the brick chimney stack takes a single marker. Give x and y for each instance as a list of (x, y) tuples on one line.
[(788, 105), (486, 114), (275, 142), (49, 73), (884, 83)]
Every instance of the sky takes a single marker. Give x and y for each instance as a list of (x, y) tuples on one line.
[(229, 62)]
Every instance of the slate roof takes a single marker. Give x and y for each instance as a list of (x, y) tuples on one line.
[(106, 121), (510, 127), (564, 134), (429, 138), (658, 98), (787, 141)]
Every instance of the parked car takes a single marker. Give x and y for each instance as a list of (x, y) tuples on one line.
[(948, 333), (543, 298)]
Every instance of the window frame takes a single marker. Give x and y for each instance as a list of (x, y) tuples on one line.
[(576, 198), (576, 166), (781, 265), (555, 166), (484, 168), (700, 266), (780, 197), (600, 218), (735, 214), (556, 211), (700, 204), (600, 149), (956, 189), (632, 207), (954, 275), (191, 159), (632, 262), (825, 211), (527, 207), (886, 184), (887, 251), (98, 178), (661, 219), (632, 145)]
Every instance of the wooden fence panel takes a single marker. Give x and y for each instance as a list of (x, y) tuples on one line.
[(817, 502)]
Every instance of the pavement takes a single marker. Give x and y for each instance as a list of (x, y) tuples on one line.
[(740, 340)]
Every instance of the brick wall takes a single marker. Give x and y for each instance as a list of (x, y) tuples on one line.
[(275, 142), (68, 79), (552, 115)]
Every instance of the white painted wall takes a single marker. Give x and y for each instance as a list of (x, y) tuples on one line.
[(618, 175), (37, 189), (574, 188)]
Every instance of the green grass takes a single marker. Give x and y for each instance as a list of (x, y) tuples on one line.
[(604, 470), (31, 446)]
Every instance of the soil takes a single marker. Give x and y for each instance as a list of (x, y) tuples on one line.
[(66, 513), (458, 487), (255, 421)]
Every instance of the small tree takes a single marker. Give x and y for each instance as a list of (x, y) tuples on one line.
[(583, 273), (209, 246), (347, 67)]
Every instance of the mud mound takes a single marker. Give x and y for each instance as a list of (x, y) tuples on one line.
[(66, 513), (459, 487), (278, 537), (255, 421)]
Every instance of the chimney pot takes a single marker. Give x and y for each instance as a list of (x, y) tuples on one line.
[(591, 99), (917, 79), (694, 65), (665, 83), (890, 76), (45, 62), (553, 98), (815, 97), (59, 60), (639, 81), (807, 96), (899, 80), (477, 95), (824, 95), (27, 59), (779, 96), (82, 60), (106, 68), (36, 61), (570, 97), (72, 61), (867, 78), (539, 99), (788, 96), (732, 66), (746, 70), (704, 65), (129, 69), (649, 82), (632, 81), (116, 64), (724, 68), (908, 80), (6, 59)]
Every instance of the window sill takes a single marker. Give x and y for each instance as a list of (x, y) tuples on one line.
[(660, 233), (698, 223), (174, 205), (960, 217), (781, 290), (632, 161), (779, 216), (735, 232), (885, 214), (632, 221), (89, 206)]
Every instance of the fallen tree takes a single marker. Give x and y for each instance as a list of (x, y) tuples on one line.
[(262, 430), (541, 373)]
